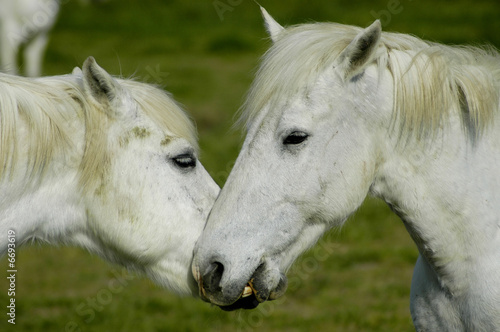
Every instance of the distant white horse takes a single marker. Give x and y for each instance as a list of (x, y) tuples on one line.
[(106, 164), (25, 23), (337, 112)]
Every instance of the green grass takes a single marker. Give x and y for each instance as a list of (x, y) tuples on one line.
[(355, 279)]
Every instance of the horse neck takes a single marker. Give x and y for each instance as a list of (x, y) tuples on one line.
[(446, 192), (52, 212)]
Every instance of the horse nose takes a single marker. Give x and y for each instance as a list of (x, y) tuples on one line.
[(210, 279)]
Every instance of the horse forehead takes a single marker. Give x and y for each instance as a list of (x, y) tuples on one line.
[(277, 112), (140, 123)]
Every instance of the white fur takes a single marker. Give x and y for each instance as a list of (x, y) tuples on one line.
[(25, 23), (111, 185), (384, 117)]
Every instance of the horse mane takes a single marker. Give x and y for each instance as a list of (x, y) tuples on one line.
[(44, 108), (47, 105), (430, 79)]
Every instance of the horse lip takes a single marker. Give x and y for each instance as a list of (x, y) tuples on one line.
[(196, 273), (255, 292), (249, 297), (199, 280), (280, 290), (210, 299), (249, 302), (266, 295)]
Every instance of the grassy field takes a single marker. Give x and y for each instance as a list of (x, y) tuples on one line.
[(205, 53)]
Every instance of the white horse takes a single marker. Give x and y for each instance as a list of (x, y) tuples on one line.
[(337, 112), (25, 23), (106, 164)]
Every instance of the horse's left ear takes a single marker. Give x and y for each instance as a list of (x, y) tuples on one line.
[(273, 28), (98, 83), (360, 51)]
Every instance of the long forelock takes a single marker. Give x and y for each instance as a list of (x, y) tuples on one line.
[(429, 78), (293, 62)]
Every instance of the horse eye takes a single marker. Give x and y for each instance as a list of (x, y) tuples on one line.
[(185, 160), (295, 138)]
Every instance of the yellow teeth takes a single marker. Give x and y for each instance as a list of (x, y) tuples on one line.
[(247, 291)]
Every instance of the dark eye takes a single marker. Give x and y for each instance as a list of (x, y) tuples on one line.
[(185, 160), (295, 138)]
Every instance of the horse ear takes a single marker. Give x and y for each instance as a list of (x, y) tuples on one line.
[(273, 28), (98, 83), (77, 72), (361, 50)]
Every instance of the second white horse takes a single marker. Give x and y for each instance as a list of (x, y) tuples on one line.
[(25, 23)]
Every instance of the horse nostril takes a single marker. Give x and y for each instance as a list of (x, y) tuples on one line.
[(212, 277)]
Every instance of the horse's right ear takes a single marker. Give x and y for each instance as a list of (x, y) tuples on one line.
[(272, 27), (77, 72), (101, 87), (360, 51)]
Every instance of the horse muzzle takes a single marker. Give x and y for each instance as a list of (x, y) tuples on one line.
[(239, 295)]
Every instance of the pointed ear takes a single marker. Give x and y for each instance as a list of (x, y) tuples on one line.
[(360, 51), (273, 28), (98, 83), (77, 72)]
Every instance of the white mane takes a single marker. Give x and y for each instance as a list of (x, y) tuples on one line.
[(45, 105), (429, 78)]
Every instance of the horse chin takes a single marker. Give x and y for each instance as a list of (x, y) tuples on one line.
[(252, 298), (172, 276), (249, 302)]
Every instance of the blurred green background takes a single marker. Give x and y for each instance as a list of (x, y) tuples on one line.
[(205, 53)]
